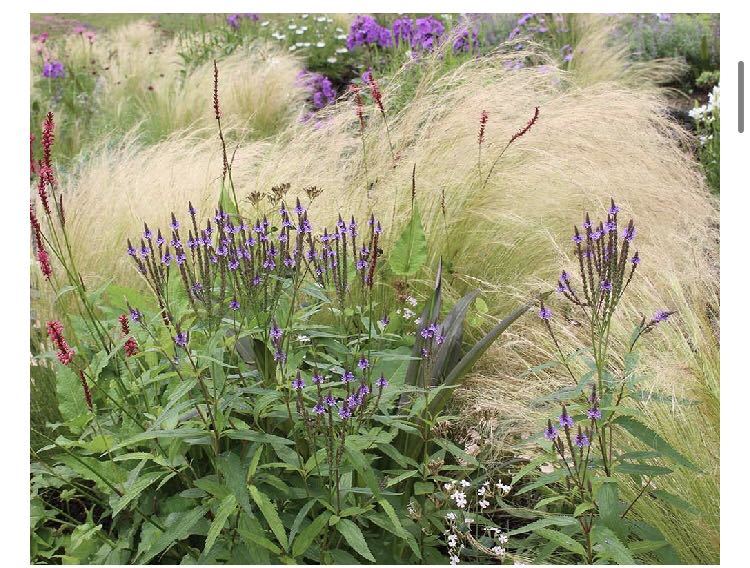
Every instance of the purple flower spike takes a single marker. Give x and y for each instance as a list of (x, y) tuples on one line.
[(344, 413), (605, 286), (298, 383), (319, 408), (330, 400), (550, 432), (382, 382), (566, 420), (594, 413), (581, 440), (363, 363), (545, 313), (275, 332), (318, 379), (234, 305), (347, 376)]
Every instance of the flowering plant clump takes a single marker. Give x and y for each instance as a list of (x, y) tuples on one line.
[(262, 403), (365, 31), (319, 87), (588, 440)]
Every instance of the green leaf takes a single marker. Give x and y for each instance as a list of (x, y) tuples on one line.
[(226, 508), (354, 538), (424, 488), (398, 527), (556, 520), (70, 397), (642, 469), (610, 546), (299, 518), (409, 253), (561, 539), (675, 501), (253, 436), (363, 467), (582, 508), (529, 467), (268, 509), (309, 533), (608, 503), (653, 440), (178, 531), (135, 490)]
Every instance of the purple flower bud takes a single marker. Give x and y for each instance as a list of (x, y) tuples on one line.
[(234, 305), (347, 376), (330, 400), (550, 432), (594, 413), (363, 363), (382, 382), (318, 379), (319, 408)]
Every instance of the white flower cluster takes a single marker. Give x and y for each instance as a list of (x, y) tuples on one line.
[(706, 112)]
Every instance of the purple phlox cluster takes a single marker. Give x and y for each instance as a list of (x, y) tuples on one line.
[(365, 30), (319, 87), (467, 40), (402, 29), (427, 32), (53, 69), (234, 20)]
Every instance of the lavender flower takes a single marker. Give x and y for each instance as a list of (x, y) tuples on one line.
[(344, 413), (594, 413), (135, 315), (605, 286), (550, 432), (181, 339), (382, 382), (234, 305), (330, 400), (347, 376), (363, 363), (581, 440), (545, 313), (566, 420), (318, 379), (298, 383), (319, 408), (275, 332)]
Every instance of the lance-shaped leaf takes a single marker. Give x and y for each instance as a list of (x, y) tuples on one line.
[(467, 361), (410, 251)]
